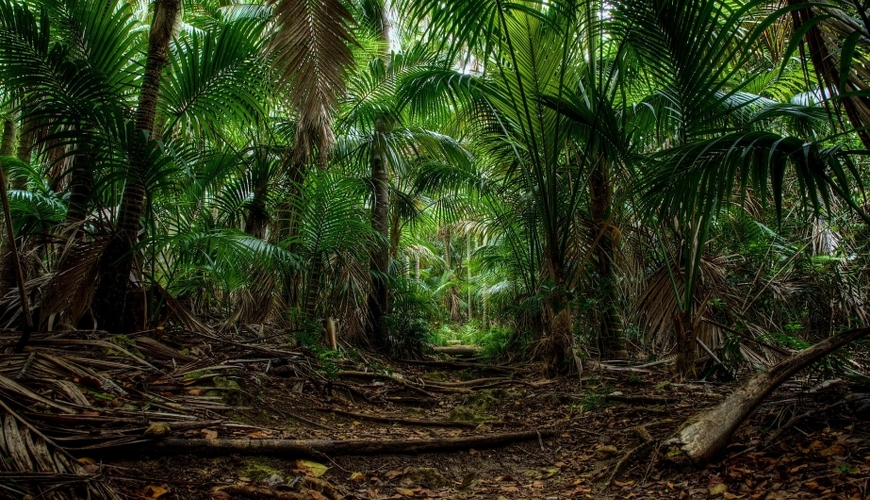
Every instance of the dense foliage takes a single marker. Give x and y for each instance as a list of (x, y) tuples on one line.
[(555, 179)]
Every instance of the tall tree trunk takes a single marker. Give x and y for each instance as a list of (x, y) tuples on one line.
[(81, 187), (447, 247), (610, 332), (468, 268), (286, 220), (26, 142), (7, 269), (686, 350), (7, 144), (395, 234), (119, 260), (257, 220), (312, 295), (377, 304), (380, 257)]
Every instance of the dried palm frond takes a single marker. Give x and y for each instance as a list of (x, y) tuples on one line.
[(41, 472), (658, 304), (312, 51), (67, 296)]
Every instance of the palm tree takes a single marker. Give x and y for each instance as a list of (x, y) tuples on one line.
[(118, 258)]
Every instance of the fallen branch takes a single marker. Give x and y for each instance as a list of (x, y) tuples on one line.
[(397, 420), (640, 399), (408, 385), (460, 364), (334, 447), (706, 434), (254, 491)]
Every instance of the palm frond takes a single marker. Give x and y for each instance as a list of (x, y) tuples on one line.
[(311, 47)]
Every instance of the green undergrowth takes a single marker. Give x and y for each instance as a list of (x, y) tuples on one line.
[(494, 340)]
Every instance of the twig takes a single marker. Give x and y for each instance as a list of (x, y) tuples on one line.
[(636, 453), (794, 420)]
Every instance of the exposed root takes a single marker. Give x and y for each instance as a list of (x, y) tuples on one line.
[(647, 444)]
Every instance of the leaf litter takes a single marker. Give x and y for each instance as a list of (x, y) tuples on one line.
[(83, 417)]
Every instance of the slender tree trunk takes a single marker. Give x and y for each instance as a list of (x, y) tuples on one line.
[(7, 144), (395, 234), (119, 259), (312, 295), (286, 220), (610, 333), (26, 142), (257, 220), (81, 187), (380, 257), (686, 350), (468, 268), (377, 304), (447, 248), (7, 269)]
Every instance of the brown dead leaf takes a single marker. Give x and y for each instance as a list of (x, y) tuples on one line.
[(405, 492), (154, 491), (316, 495), (392, 474), (86, 461), (209, 434), (833, 450)]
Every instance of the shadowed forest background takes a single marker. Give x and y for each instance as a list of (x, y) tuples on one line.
[(577, 185)]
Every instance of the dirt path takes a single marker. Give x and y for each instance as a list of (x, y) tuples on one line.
[(828, 456), (177, 417)]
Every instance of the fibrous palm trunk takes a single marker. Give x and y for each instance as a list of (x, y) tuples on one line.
[(7, 145), (610, 336), (7, 276), (24, 152), (119, 260), (380, 257)]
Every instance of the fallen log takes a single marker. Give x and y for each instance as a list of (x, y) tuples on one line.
[(336, 447), (706, 434), (462, 351)]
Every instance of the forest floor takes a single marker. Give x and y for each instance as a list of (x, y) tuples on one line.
[(169, 426)]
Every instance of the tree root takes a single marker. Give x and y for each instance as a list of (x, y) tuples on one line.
[(408, 385), (648, 443), (462, 365)]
